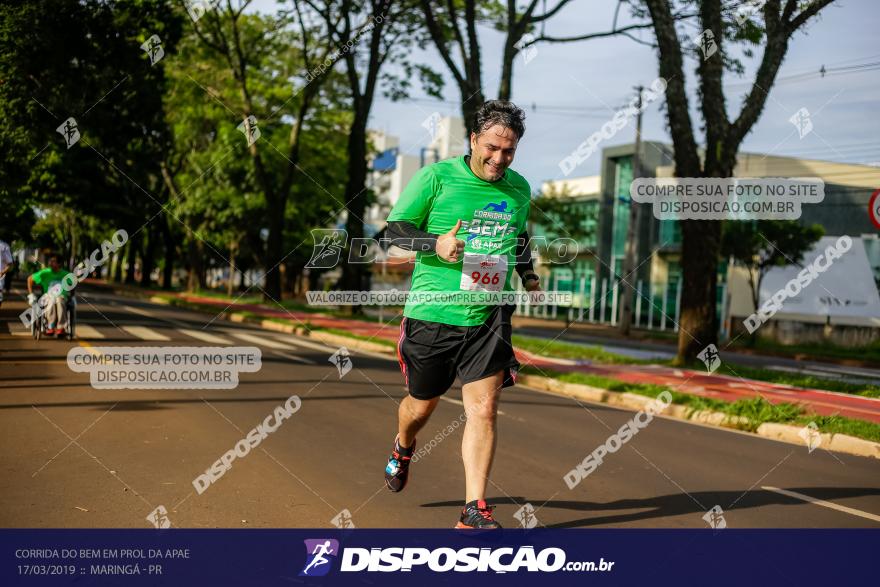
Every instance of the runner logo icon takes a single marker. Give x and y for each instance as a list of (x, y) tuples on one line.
[(501, 207), (320, 553)]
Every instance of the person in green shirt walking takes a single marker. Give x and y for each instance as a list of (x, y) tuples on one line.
[(466, 218), (55, 296)]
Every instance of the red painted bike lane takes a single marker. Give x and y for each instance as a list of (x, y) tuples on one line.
[(721, 387)]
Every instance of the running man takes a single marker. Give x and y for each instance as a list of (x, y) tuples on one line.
[(319, 552), (466, 218), (54, 298)]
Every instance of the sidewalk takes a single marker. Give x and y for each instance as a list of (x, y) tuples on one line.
[(728, 389)]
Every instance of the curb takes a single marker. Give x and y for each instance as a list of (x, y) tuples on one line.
[(350, 343), (781, 432)]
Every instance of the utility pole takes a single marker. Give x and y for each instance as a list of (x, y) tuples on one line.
[(632, 233)]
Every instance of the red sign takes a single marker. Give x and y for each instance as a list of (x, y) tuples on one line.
[(874, 208)]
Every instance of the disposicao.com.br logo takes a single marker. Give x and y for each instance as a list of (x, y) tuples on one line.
[(442, 560), (320, 553)]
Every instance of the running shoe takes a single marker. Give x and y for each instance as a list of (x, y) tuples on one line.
[(50, 330), (397, 469), (59, 331), (476, 514)]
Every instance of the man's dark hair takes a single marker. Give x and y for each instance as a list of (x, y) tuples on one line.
[(53, 255), (502, 112)]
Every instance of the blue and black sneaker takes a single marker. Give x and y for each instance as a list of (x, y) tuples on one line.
[(397, 469), (477, 515)]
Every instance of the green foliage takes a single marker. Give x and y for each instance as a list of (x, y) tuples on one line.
[(81, 59), (754, 411), (763, 244), (561, 213)]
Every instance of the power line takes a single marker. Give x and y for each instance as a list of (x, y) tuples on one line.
[(564, 109), (821, 72), (533, 106)]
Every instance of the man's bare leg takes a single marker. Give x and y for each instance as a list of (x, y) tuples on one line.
[(478, 442), (411, 417)]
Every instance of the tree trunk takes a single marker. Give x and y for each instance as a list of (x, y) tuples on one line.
[(170, 253), (134, 246), (698, 322), (233, 249), (356, 198), (149, 258), (505, 89), (117, 267), (700, 251), (196, 275), (471, 100), (274, 246)]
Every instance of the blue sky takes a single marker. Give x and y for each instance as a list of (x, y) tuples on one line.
[(598, 76)]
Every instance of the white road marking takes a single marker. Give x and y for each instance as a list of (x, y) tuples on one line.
[(259, 340), (823, 503), (205, 336), (295, 358), (315, 346), (20, 333), (144, 333), (134, 310), (86, 331), (149, 314)]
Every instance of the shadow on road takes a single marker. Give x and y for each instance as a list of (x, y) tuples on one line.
[(675, 504), (139, 404)]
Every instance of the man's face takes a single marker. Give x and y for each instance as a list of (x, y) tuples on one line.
[(492, 152), (54, 265)]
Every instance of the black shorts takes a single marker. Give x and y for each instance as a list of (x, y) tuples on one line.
[(431, 354)]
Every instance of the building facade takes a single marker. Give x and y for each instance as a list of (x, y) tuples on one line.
[(595, 273)]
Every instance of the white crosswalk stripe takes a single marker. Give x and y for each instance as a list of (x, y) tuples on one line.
[(205, 336), (297, 359), (144, 333), (258, 340), (264, 341), (270, 343), (86, 331), (315, 346)]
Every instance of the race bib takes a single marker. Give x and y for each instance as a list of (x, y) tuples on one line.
[(483, 272)]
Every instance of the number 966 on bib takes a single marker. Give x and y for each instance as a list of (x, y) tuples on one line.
[(483, 272)]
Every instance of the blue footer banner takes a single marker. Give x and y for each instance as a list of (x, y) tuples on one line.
[(439, 557)]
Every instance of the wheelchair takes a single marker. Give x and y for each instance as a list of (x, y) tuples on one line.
[(39, 324)]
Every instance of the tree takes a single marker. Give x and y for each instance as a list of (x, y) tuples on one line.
[(701, 240), (560, 213), (82, 59), (764, 244), (211, 171), (453, 30), (262, 57), (371, 34)]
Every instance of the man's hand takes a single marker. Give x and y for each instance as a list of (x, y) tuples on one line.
[(531, 281), (448, 247)]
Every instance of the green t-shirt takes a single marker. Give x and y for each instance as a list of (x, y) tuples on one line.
[(493, 215), (50, 281)]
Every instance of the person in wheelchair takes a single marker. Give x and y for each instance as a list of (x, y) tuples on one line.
[(55, 299)]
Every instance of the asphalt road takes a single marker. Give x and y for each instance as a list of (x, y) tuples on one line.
[(74, 456)]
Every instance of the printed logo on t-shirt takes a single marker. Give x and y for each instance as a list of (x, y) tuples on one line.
[(488, 226)]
